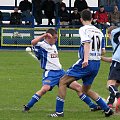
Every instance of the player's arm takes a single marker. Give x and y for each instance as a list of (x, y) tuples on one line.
[(86, 54), (103, 47), (41, 37), (106, 59)]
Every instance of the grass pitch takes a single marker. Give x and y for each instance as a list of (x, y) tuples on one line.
[(20, 78)]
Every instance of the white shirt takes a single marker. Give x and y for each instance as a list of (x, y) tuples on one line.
[(93, 35)]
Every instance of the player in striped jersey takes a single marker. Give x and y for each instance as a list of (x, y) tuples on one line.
[(47, 53), (86, 68), (114, 75)]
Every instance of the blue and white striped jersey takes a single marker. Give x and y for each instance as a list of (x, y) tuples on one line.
[(48, 55), (114, 42), (94, 36)]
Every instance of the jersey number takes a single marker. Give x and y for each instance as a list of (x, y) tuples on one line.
[(96, 41)]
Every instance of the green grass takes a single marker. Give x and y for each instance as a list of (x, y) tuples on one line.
[(20, 78)]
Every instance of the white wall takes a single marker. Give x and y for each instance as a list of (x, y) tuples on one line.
[(91, 3)]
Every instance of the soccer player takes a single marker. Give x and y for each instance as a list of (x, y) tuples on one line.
[(86, 68), (46, 51), (114, 75)]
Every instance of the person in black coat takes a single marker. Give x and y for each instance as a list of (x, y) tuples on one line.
[(37, 4), (80, 5), (75, 18), (15, 17), (49, 9)]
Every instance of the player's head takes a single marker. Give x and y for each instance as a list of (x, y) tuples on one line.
[(86, 16), (52, 39)]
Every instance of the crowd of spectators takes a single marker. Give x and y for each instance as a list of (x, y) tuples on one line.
[(56, 9)]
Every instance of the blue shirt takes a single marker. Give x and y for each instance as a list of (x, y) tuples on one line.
[(116, 55)]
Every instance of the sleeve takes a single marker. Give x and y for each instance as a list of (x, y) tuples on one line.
[(36, 50)]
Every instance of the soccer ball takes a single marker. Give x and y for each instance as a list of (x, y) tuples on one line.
[(115, 102), (28, 49)]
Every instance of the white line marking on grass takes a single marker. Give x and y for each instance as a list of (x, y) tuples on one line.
[(31, 54)]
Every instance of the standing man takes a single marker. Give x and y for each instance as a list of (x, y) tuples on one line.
[(26, 8), (114, 74), (86, 68)]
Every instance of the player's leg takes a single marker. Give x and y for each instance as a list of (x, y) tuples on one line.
[(78, 88), (114, 77), (111, 84), (50, 79), (65, 80), (35, 98), (97, 99), (111, 98)]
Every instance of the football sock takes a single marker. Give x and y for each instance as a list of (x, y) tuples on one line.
[(88, 101), (114, 90), (111, 99), (102, 104), (59, 104), (33, 100)]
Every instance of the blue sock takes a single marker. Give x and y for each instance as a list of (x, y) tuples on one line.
[(102, 104), (88, 101), (33, 100), (59, 104)]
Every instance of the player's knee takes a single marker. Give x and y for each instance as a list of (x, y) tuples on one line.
[(44, 89)]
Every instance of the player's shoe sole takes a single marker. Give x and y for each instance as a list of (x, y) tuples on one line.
[(56, 114)]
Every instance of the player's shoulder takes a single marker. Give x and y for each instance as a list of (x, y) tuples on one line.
[(114, 31)]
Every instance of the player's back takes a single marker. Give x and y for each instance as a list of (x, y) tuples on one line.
[(93, 35), (115, 40)]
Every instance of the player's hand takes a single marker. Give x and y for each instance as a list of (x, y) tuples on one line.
[(84, 64), (48, 35)]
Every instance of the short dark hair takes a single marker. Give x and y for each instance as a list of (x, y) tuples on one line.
[(86, 15), (51, 31)]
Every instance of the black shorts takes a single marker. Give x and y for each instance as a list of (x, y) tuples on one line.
[(114, 73)]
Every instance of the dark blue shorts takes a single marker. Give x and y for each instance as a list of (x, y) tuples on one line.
[(114, 73), (87, 74), (52, 77)]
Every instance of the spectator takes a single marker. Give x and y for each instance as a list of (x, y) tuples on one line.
[(114, 17), (49, 9), (101, 17), (64, 16), (61, 4), (58, 4), (75, 18), (1, 17), (80, 5), (26, 7), (37, 4), (15, 17)]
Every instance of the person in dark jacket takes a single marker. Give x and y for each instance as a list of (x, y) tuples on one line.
[(75, 18), (80, 5), (37, 4), (15, 17), (26, 8), (49, 9)]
